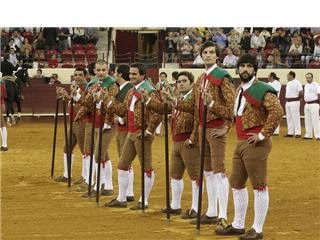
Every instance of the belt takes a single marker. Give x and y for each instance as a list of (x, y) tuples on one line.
[(314, 101), (292, 99)]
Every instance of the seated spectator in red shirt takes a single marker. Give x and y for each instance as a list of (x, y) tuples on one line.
[(53, 61)]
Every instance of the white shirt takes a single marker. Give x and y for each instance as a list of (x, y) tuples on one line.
[(134, 98), (276, 85), (244, 86), (311, 91), (293, 88), (230, 60), (120, 119)]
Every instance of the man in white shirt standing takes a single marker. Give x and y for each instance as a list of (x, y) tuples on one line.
[(294, 92), (311, 108), (274, 82)]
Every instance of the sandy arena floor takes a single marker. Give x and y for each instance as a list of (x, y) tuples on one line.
[(33, 206)]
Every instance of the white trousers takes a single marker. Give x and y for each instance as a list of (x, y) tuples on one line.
[(293, 117), (311, 120)]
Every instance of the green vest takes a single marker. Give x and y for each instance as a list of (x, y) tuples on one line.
[(123, 92), (255, 93), (105, 82), (216, 75), (147, 86)]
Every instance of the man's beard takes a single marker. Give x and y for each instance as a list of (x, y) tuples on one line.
[(246, 77)]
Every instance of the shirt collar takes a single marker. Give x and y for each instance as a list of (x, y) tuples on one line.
[(211, 69), (137, 86), (184, 96), (122, 86), (246, 85)]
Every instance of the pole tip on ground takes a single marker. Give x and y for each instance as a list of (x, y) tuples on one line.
[(168, 221)]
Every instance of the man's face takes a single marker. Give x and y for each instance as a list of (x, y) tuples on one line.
[(183, 84), (39, 73), (289, 77), (101, 71), (246, 72), (163, 77), (209, 56), (309, 78), (79, 77), (135, 76)]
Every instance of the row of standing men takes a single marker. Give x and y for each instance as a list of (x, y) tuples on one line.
[(253, 107)]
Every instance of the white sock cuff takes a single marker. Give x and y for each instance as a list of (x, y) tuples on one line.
[(208, 173)]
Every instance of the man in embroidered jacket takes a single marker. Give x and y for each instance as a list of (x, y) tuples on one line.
[(217, 84), (257, 114), (132, 146), (77, 90), (185, 153), (96, 88), (123, 80)]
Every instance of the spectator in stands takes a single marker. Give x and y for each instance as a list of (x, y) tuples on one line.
[(79, 35), (39, 46), (278, 63), (63, 35), (185, 48), (4, 39), (27, 59), (281, 40), (220, 39), (260, 56), (245, 41), (257, 40), (53, 61), (171, 46), (230, 61), (53, 81), (39, 74), (207, 36), (295, 51), (196, 47), (17, 38), (234, 39), (13, 57), (316, 52), (26, 45), (50, 35), (10, 45), (91, 35), (270, 62)]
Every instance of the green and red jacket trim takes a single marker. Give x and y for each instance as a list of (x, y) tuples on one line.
[(255, 93)]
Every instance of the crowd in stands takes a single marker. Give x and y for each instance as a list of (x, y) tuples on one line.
[(274, 47), (49, 47)]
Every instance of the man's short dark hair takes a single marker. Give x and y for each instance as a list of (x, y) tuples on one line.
[(209, 44), (292, 74), (175, 75), (310, 74), (112, 67), (247, 58), (164, 73), (83, 70), (189, 75), (39, 69), (141, 68), (124, 70), (91, 68)]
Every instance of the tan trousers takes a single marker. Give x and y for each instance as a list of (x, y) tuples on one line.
[(214, 157), (184, 158), (132, 147), (120, 139), (250, 161), (78, 133), (105, 143)]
